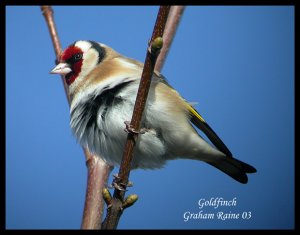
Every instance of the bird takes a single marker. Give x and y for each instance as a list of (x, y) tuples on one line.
[(103, 85)]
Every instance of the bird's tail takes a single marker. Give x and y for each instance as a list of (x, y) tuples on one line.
[(233, 167)]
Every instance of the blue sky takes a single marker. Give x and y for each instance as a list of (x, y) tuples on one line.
[(237, 63)]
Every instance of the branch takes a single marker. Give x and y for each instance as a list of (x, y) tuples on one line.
[(169, 33), (115, 208), (98, 170), (48, 14)]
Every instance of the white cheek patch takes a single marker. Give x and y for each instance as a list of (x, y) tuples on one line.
[(90, 60)]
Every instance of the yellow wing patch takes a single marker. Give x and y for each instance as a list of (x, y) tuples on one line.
[(195, 113)]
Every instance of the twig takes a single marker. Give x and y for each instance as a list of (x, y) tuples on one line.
[(98, 173), (98, 170), (115, 209), (169, 33), (48, 14)]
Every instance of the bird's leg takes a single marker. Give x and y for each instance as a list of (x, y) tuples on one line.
[(129, 129)]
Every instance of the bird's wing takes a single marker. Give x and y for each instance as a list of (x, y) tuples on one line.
[(199, 122)]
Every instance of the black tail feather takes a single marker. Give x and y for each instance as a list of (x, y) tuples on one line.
[(234, 168)]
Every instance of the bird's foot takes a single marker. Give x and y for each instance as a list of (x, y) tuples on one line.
[(129, 129), (119, 185)]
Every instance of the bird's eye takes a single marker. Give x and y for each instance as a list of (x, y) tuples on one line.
[(77, 56)]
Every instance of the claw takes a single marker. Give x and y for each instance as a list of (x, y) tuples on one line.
[(129, 184), (117, 186), (116, 176), (130, 129)]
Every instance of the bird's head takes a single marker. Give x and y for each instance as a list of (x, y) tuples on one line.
[(79, 59)]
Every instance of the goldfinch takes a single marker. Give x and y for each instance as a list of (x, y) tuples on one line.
[(103, 85)]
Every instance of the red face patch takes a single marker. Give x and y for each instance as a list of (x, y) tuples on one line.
[(72, 56)]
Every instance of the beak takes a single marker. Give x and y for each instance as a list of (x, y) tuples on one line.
[(61, 68)]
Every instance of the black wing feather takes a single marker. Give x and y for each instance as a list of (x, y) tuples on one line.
[(209, 132)]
